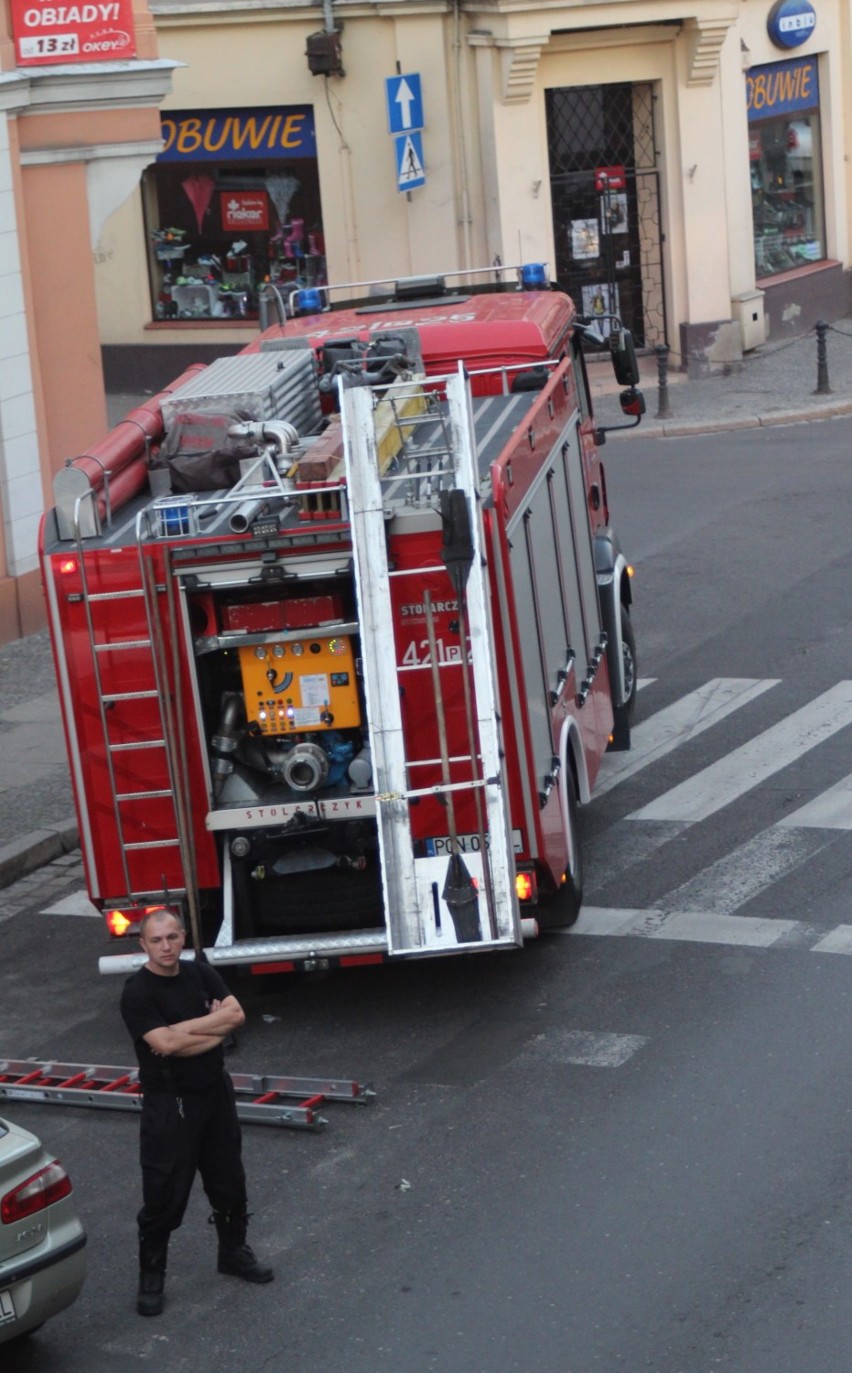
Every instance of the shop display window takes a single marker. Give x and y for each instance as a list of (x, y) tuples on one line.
[(786, 167), (218, 228)]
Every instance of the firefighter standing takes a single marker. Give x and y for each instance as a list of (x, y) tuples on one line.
[(178, 1014)]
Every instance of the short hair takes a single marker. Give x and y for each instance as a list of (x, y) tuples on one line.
[(157, 914)]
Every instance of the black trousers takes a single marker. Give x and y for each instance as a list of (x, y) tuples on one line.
[(183, 1135)]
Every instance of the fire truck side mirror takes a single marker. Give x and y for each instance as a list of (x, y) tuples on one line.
[(624, 361)]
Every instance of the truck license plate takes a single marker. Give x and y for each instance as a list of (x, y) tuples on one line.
[(468, 843)]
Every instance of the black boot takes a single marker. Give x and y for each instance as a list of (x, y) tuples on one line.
[(152, 1276), (236, 1257)]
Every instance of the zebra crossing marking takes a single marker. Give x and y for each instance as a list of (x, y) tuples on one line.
[(747, 870), (746, 767), (586, 1048), (838, 940), (685, 719), (831, 810), (703, 908), (697, 927), (707, 927), (76, 903)]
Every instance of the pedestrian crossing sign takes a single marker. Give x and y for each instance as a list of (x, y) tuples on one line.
[(410, 171)]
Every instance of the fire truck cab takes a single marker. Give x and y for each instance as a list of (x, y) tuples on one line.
[(341, 629)]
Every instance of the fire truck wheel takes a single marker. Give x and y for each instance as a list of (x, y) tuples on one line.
[(628, 653), (560, 910)]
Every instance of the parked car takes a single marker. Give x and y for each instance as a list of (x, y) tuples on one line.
[(42, 1242)]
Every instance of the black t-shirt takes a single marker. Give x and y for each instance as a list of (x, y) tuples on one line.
[(150, 1001)]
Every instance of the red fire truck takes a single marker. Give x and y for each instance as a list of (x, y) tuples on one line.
[(341, 631)]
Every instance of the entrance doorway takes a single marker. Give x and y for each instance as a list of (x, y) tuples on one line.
[(606, 204)]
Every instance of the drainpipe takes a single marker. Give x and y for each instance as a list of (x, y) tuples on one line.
[(464, 196), (353, 271)]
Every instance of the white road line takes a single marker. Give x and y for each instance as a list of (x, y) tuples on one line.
[(831, 810), (698, 927), (77, 903), (746, 871), (746, 767), (677, 723), (619, 848), (588, 1048), (609, 920), (706, 927), (838, 940)]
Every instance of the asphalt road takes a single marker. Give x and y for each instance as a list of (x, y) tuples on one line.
[(623, 1148)]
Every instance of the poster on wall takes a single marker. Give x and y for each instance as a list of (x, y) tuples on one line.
[(98, 32), (585, 239), (614, 213), (600, 299)]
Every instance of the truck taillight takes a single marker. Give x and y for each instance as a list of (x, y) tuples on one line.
[(119, 920), (525, 886), (67, 566), (42, 1189)]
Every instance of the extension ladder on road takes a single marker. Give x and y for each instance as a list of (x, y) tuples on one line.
[(261, 1099)]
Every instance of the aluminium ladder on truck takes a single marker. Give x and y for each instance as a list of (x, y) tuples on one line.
[(129, 665), (261, 1099), (435, 461)]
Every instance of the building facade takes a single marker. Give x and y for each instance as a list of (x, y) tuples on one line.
[(685, 163), (682, 162)]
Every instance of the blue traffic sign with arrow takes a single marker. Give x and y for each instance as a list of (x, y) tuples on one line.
[(405, 103)]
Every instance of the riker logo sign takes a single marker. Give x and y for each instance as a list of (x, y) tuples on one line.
[(244, 211), (97, 32)]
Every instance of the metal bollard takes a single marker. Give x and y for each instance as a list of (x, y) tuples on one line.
[(822, 386), (664, 410)]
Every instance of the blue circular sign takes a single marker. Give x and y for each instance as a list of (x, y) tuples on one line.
[(791, 22)]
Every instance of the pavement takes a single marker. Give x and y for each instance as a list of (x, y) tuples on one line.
[(782, 383), (775, 384)]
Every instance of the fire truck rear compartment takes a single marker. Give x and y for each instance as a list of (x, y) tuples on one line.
[(283, 718), (323, 877)]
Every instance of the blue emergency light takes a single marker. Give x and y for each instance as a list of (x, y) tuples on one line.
[(307, 301), (534, 276)]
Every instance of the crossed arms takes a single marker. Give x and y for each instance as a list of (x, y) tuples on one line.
[(188, 1038)]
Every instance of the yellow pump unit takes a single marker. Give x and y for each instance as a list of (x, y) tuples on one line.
[(301, 685)]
